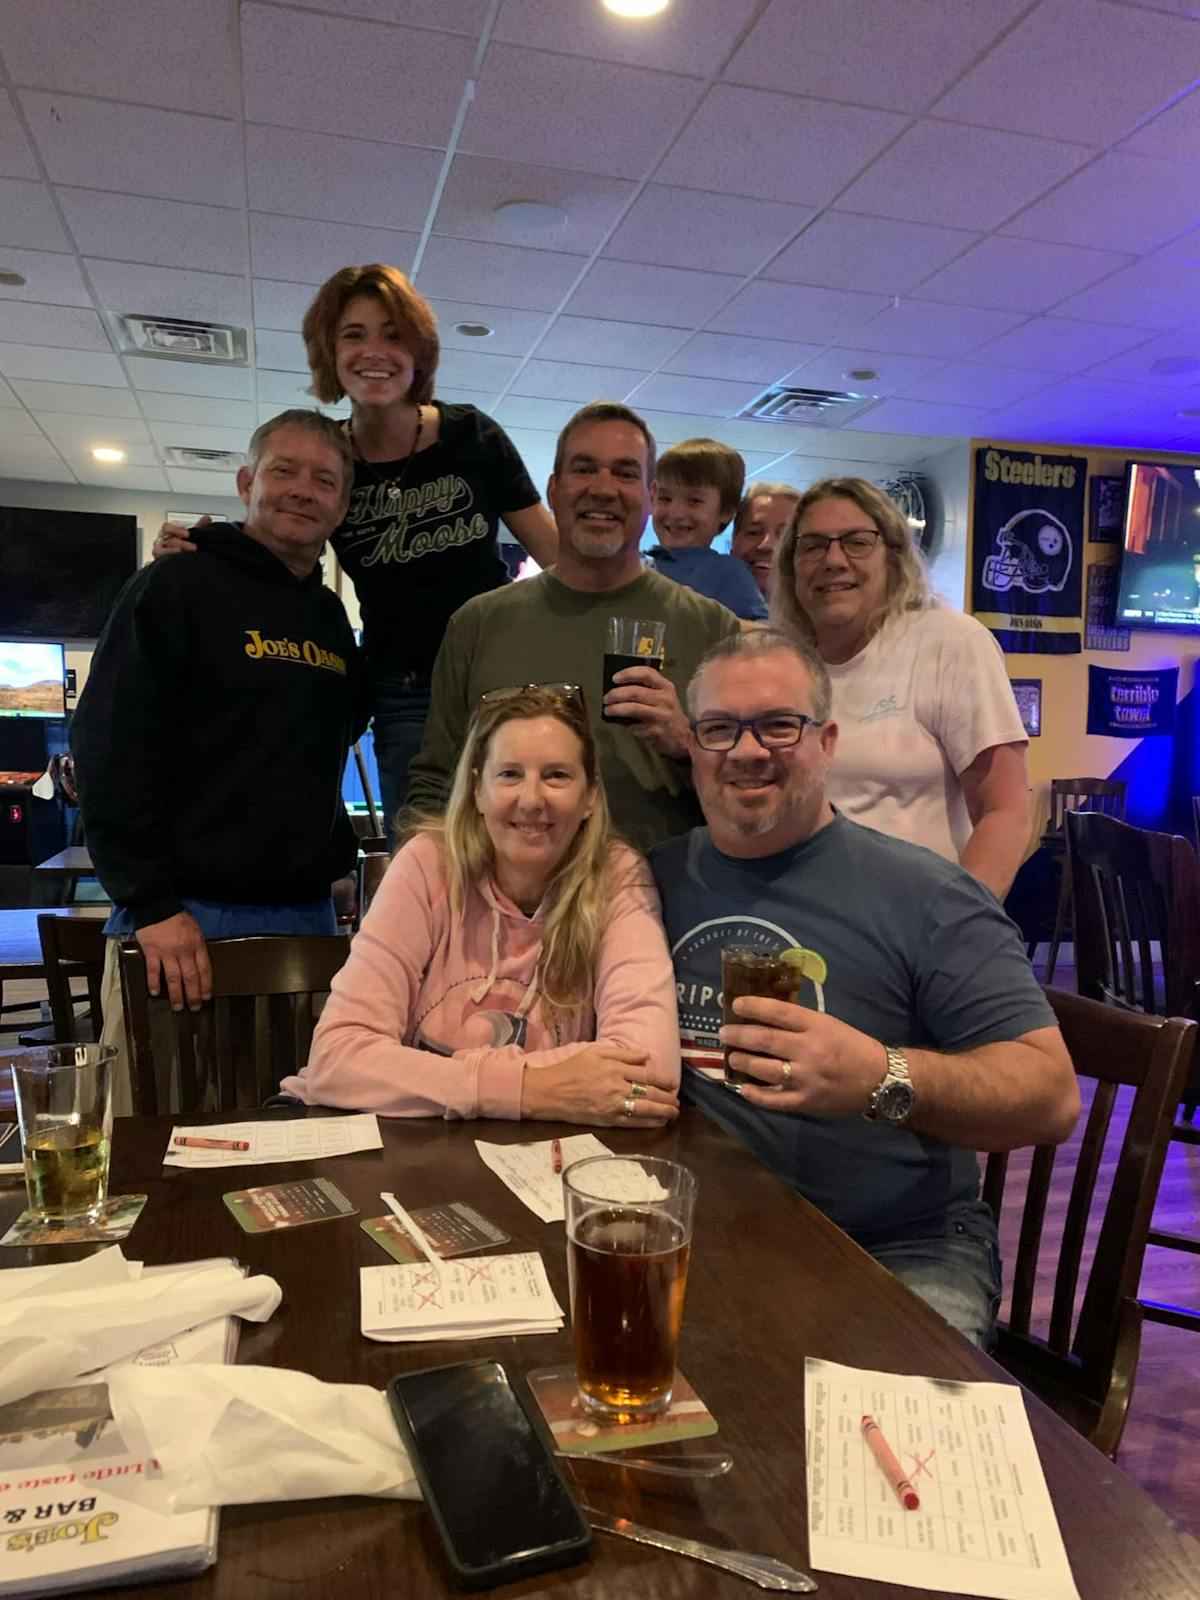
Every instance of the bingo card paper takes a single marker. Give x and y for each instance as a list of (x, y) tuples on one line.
[(985, 1524)]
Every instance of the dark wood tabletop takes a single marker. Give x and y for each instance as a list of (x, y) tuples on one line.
[(771, 1282)]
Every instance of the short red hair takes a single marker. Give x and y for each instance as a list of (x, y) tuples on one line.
[(409, 311)]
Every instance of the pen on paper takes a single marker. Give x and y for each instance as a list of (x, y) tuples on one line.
[(210, 1144), (891, 1468), (556, 1154), (410, 1227)]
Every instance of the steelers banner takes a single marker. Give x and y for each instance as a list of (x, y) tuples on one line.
[(1027, 550)]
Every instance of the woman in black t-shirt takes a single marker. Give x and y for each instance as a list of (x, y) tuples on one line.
[(432, 482)]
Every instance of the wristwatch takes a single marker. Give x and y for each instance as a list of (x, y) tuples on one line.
[(894, 1097)]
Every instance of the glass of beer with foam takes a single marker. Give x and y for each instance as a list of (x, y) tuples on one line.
[(629, 1238), (64, 1106)]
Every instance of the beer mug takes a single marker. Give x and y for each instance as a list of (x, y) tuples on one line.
[(64, 1106), (629, 1239)]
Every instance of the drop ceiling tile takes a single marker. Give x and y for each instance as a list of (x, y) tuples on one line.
[(75, 397), (280, 389), (203, 409), (176, 53), (198, 436), (61, 366), (205, 487), (302, 251), (28, 454), (1120, 202), (695, 38), (920, 328), (162, 376), (476, 369), (1077, 400), (1003, 274), (713, 397), (604, 343), (961, 384), (724, 355), (832, 368), (77, 454), (686, 228), (298, 68), (7, 397), (84, 432), (283, 352), (514, 333), (161, 233), (795, 312), (51, 279), (916, 416), (1120, 66), (280, 305), (126, 288), (19, 424), (493, 274), (568, 380), (123, 476), (1055, 344), (954, 176), (546, 416), (340, 180), (453, 16), (1150, 294), (17, 159), (28, 218), (1184, 248), (1174, 133), (1181, 349), (632, 292), (477, 185), (620, 121), (844, 251), (776, 146), (863, 53), (60, 327)]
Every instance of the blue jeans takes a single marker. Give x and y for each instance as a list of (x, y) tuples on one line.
[(398, 724), (957, 1272)]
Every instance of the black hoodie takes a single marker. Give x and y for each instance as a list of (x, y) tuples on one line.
[(212, 732)]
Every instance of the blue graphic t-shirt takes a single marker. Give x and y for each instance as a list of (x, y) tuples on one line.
[(903, 945)]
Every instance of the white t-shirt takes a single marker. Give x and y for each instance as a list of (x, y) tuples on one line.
[(914, 709)]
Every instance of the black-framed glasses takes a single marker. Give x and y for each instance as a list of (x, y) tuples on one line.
[(564, 691), (774, 730), (856, 544)]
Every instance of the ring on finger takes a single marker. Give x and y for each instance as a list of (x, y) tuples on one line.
[(785, 1081), (629, 1106), (638, 1091)]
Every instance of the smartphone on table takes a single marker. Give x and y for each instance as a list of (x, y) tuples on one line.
[(499, 1501)]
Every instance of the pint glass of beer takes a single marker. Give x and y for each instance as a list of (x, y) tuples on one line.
[(630, 644), (629, 1237), (64, 1106)]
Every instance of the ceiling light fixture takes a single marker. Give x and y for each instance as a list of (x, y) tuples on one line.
[(1175, 366), (106, 453), (11, 279), (523, 215), (1188, 414), (862, 374), (636, 8), (474, 330)]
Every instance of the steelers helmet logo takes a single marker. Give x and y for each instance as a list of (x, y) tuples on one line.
[(1050, 539)]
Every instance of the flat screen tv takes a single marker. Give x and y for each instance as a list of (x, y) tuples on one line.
[(60, 571), (1160, 557), (32, 679)]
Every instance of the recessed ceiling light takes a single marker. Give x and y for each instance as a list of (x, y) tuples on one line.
[(636, 8), (862, 374), (11, 279), (1175, 366), (474, 330), (524, 214), (1189, 412), (104, 452)]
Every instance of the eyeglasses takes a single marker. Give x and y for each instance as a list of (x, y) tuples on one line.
[(856, 544), (774, 730), (564, 691)]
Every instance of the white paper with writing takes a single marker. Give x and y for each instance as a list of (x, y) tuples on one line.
[(289, 1139), (528, 1169), (465, 1299)]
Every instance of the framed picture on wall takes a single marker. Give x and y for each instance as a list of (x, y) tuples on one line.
[(1106, 504), (1028, 695)]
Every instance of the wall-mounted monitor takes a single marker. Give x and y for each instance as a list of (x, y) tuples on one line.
[(32, 679), (60, 571), (1160, 555)]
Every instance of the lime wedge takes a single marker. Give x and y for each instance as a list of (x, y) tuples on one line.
[(811, 965)]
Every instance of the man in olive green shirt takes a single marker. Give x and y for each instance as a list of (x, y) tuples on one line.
[(552, 629)]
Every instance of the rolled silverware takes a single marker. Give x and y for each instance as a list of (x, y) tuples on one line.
[(764, 1571), (697, 1464)]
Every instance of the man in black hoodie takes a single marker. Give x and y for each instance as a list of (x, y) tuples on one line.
[(211, 736)]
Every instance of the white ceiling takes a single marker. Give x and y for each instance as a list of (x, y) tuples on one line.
[(993, 203)]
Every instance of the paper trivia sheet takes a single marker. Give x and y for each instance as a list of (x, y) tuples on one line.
[(528, 1169), (985, 1526), (468, 1298), (288, 1139)]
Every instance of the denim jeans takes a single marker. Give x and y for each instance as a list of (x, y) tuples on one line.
[(957, 1271), (398, 724)]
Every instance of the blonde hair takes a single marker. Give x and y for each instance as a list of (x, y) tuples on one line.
[(580, 887), (759, 489), (410, 313), (907, 578)]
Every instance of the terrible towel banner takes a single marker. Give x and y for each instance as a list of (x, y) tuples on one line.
[(1130, 705), (1027, 550)]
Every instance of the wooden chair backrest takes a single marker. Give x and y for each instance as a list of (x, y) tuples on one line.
[(257, 1028), (373, 869), (1106, 795), (72, 947)]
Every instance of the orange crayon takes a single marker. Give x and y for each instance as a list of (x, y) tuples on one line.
[(556, 1154), (210, 1144), (891, 1468)]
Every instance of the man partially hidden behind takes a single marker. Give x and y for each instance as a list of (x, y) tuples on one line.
[(918, 1034), (211, 736)]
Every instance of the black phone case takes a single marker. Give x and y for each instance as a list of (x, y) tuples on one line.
[(564, 1554)]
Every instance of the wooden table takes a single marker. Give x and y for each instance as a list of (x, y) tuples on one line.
[(69, 865), (771, 1282)]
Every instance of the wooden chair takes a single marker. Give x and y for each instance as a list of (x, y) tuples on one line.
[(257, 1028), (73, 947), (1087, 1377), (1105, 795), (372, 869), (1138, 893)]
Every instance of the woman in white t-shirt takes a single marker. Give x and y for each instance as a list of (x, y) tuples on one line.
[(930, 742)]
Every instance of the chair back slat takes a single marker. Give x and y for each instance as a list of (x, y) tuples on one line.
[(1033, 1221), (1103, 795), (72, 947), (1079, 1209)]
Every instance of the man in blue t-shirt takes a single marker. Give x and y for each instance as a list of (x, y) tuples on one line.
[(918, 1034)]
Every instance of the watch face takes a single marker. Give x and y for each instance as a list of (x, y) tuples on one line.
[(895, 1102)]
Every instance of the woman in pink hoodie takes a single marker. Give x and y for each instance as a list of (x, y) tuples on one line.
[(512, 963)]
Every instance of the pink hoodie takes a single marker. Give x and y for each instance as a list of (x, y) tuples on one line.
[(436, 1015)]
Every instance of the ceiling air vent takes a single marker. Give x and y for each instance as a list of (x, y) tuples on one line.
[(183, 455), (809, 408), (175, 338)]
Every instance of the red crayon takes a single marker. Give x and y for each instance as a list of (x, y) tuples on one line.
[(556, 1154), (892, 1470), (211, 1144)]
